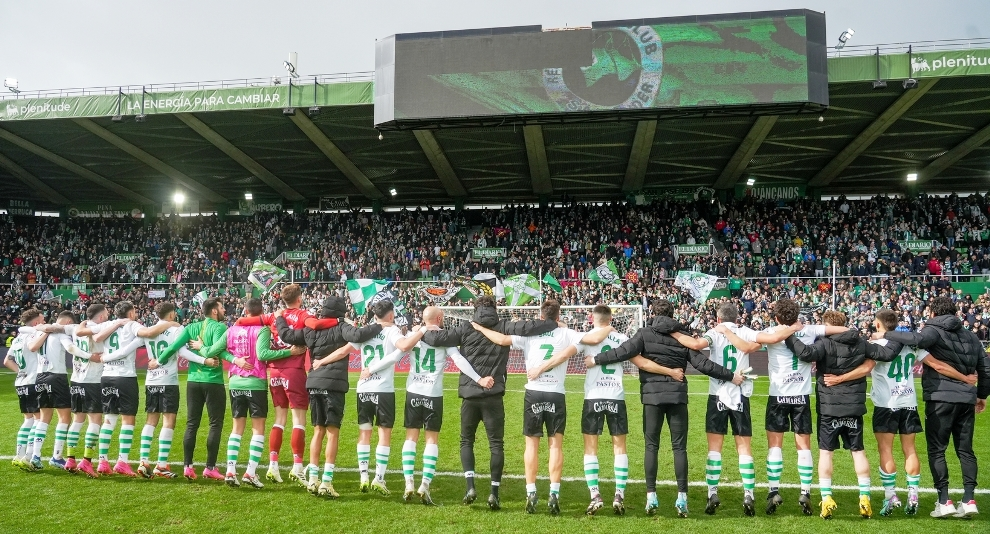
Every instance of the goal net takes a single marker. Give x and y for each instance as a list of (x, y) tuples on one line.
[(625, 319)]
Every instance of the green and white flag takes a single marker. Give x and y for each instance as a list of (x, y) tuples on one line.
[(361, 290), (521, 289), (264, 275), (549, 280), (605, 273), (699, 285), (200, 297)]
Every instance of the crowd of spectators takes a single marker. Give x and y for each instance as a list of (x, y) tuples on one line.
[(764, 249)]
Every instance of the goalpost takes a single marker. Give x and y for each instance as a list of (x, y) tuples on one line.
[(626, 319)]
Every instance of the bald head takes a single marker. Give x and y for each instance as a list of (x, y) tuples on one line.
[(432, 315)]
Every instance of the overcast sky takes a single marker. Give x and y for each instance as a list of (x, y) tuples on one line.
[(82, 43)]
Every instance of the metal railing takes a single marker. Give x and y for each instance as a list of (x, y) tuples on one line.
[(343, 77), (916, 46)]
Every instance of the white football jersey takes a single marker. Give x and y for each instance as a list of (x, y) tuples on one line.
[(26, 360), (727, 355), (789, 376), (893, 381), (85, 371), (604, 381), (538, 349), (426, 365), (120, 345), (168, 374), (378, 348), (51, 356)]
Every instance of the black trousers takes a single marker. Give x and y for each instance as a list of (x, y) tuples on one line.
[(942, 421), (214, 397), (677, 420), (491, 411)]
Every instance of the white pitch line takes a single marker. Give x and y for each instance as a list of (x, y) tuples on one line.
[(694, 484)]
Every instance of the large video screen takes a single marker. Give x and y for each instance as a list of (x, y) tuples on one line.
[(742, 59)]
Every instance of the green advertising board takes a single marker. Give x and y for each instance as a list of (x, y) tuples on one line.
[(274, 97), (692, 250), (918, 246), (946, 63), (479, 253), (296, 255), (20, 207), (127, 256)]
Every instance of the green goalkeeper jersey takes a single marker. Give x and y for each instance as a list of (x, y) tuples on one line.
[(214, 337)]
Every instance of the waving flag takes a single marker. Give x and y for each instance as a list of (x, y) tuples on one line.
[(549, 280), (494, 285), (264, 275), (200, 297), (699, 285), (361, 290), (606, 273), (521, 289)]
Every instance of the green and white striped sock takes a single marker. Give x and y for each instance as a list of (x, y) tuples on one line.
[(825, 486), (164, 446), (381, 461), (328, 473), (430, 454), (364, 458), (40, 433), (864, 486), (61, 432), (913, 482), (312, 473), (889, 481), (255, 449), (147, 436), (72, 439), (591, 474), (23, 435), (106, 434), (408, 461), (713, 471), (775, 467), (233, 451), (621, 474), (92, 437), (747, 472), (806, 467), (126, 437)]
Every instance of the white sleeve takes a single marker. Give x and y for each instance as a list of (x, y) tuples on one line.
[(191, 356), (574, 338), (816, 330), (463, 364), (27, 330), (383, 363), (920, 354), (134, 345), (355, 346), (71, 347), (747, 334), (518, 342)]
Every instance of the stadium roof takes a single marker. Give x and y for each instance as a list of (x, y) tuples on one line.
[(66, 149)]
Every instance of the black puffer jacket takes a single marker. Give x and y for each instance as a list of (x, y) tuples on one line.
[(487, 358), (322, 343), (654, 343), (946, 339), (837, 355)]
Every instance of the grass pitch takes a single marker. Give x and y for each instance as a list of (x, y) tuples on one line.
[(54, 501)]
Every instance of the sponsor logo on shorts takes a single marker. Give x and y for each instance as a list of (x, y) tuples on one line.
[(319, 392), (279, 382), (420, 402), (155, 389), (368, 397), (798, 399), (847, 422), (76, 390), (22, 390), (111, 392), (241, 393), (47, 388), (605, 406), (904, 409), (540, 407)]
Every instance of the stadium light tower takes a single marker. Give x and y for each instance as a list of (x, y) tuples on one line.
[(11, 85), (844, 38), (912, 177), (178, 198)]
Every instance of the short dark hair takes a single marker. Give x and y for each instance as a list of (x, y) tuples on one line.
[(164, 308), (602, 312), (550, 310), (382, 308), (94, 309), (786, 311), (942, 306), (662, 308), (484, 301), (254, 306), (888, 318), (728, 312), (122, 309), (209, 305), (29, 315), (66, 314)]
